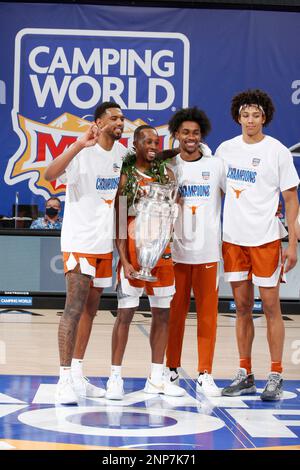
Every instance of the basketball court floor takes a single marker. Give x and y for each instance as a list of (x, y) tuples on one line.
[(29, 418)]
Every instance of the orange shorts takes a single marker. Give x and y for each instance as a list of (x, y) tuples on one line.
[(160, 293), (97, 266), (165, 279), (261, 264)]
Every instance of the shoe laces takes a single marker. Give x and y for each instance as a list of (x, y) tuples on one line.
[(66, 381), (114, 380), (208, 378), (238, 378), (273, 381), (170, 373)]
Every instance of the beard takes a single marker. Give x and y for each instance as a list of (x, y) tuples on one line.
[(116, 136)]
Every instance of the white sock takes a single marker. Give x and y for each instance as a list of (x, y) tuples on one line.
[(116, 371), (157, 371), (76, 367), (64, 373)]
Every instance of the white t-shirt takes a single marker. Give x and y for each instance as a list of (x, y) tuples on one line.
[(196, 238), (256, 174), (92, 182)]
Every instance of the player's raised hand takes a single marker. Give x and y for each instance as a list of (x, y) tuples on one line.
[(90, 137)]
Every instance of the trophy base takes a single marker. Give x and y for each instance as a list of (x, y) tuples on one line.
[(144, 275)]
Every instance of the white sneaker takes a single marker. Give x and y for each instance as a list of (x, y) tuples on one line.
[(84, 388), (206, 385), (65, 394), (114, 388), (172, 376), (165, 388)]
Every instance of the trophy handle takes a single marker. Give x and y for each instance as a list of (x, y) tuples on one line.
[(173, 193)]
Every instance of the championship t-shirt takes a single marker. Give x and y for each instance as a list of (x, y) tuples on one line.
[(92, 182), (196, 238), (256, 174)]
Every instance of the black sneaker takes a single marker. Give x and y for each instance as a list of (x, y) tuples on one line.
[(273, 390), (242, 384)]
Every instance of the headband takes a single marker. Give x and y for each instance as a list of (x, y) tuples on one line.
[(256, 105)]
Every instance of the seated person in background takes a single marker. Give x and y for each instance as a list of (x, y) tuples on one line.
[(51, 219)]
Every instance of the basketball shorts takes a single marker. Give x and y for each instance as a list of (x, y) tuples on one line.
[(160, 294), (98, 266), (261, 264)]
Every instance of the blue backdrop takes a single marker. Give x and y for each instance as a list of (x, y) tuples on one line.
[(58, 61)]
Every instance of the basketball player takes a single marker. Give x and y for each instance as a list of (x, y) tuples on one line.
[(196, 244), (259, 168), (92, 166), (138, 171)]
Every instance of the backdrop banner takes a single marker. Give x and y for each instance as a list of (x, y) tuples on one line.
[(59, 61)]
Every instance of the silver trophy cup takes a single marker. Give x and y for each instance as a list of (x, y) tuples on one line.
[(155, 216)]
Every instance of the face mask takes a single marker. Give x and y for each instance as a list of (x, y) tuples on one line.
[(51, 212)]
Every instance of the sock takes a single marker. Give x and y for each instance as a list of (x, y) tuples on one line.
[(173, 369), (76, 367), (64, 373), (157, 371), (245, 363), (206, 371), (116, 371), (276, 366)]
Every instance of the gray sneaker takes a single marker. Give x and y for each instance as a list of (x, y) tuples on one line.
[(242, 384), (273, 390)]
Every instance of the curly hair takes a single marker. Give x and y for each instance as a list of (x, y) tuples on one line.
[(190, 114), (255, 97)]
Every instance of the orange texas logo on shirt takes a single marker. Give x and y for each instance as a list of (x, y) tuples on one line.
[(194, 209), (238, 192), (108, 201)]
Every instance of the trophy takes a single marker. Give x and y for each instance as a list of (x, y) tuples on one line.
[(155, 216)]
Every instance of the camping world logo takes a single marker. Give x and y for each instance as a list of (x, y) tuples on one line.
[(62, 75)]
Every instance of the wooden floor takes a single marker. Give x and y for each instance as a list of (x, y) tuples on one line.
[(28, 345), (29, 366)]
